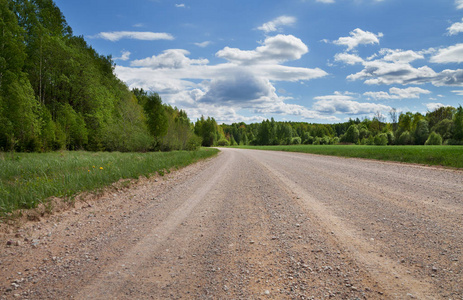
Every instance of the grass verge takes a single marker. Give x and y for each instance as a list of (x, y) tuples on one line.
[(29, 179), (448, 156)]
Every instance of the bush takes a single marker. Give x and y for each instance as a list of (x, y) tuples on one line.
[(193, 143), (296, 141), (390, 138), (308, 139), (434, 139), (223, 142), (405, 138), (381, 139)]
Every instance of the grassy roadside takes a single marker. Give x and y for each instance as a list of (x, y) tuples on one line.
[(28, 179), (448, 156)]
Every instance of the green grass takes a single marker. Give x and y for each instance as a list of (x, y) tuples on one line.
[(28, 179), (448, 156)]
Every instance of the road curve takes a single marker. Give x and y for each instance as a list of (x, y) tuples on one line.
[(253, 224)]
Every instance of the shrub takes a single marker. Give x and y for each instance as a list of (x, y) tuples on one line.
[(390, 138), (296, 141), (434, 139), (223, 142), (193, 143), (381, 139), (405, 138)]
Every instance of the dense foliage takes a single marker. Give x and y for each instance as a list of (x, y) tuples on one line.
[(57, 92), (441, 126)]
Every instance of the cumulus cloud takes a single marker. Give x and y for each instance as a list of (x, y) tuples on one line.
[(115, 36), (394, 67), (383, 72), (456, 28), (459, 4), (358, 37), (396, 93), (275, 25), (452, 54), (400, 55), (276, 49), (125, 56), (172, 58), (350, 59), (240, 88), (244, 82), (343, 104)]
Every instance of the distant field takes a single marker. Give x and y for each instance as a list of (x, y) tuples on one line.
[(448, 156), (28, 179)]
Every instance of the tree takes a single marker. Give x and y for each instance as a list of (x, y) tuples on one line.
[(458, 125), (444, 128), (393, 115), (207, 130), (381, 139), (439, 114), (421, 132), (405, 138), (434, 139), (156, 116), (351, 135)]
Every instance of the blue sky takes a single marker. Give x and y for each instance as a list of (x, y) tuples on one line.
[(318, 61)]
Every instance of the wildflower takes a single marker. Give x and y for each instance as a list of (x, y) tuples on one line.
[(101, 168), (88, 170), (94, 167)]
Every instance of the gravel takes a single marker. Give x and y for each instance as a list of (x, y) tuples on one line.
[(250, 225)]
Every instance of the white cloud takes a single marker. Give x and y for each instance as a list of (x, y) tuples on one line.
[(383, 72), (240, 88), (172, 58), (326, 1), (125, 56), (396, 93), (180, 5), (350, 59), (459, 4), (452, 54), (458, 92), (400, 55), (115, 36), (343, 104), (275, 25), (393, 67), (276, 49), (456, 28), (203, 44), (358, 37), (245, 82)]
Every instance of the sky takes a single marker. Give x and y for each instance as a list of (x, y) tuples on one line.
[(316, 61)]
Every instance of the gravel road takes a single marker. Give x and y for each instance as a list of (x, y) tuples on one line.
[(251, 224)]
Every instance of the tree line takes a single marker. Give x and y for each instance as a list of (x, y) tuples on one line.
[(444, 125), (57, 92)]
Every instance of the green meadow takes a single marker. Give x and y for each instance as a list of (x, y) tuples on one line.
[(28, 179), (448, 156)]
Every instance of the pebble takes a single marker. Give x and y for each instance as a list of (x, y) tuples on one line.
[(267, 292)]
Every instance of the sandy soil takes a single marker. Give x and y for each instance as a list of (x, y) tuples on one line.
[(251, 225)]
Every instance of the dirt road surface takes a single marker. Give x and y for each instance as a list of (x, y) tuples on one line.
[(251, 224)]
